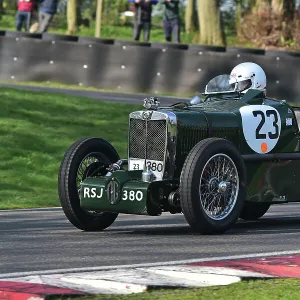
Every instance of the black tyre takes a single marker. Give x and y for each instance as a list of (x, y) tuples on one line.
[(86, 157), (212, 186), (254, 210)]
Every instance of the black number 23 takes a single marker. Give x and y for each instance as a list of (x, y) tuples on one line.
[(272, 135)]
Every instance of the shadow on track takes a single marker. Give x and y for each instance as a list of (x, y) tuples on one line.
[(264, 225)]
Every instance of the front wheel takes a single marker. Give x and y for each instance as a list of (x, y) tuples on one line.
[(212, 186), (87, 157)]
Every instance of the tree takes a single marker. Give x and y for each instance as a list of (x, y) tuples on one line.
[(271, 23), (1, 8), (283, 11), (72, 16), (98, 18), (211, 29), (190, 16), (243, 7)]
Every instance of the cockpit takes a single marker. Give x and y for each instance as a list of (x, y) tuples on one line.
[(224, 86)]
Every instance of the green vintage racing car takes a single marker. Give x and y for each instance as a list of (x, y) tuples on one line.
[(223, 155)]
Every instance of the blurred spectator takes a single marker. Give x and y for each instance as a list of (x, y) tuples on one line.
[(171, 20), (23, 18), (143, 11), (48, 9)]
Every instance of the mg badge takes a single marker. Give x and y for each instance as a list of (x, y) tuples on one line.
[(147, 115), (113, 192)]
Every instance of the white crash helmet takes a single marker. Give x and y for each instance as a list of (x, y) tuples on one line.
[(249, 76)]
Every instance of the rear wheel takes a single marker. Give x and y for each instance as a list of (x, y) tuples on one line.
[(254, 210), (212, 186), (87, 157)]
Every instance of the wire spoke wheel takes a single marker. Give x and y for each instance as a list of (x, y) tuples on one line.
[(93, 164), (213, 186), (87, 158), (219, 186)]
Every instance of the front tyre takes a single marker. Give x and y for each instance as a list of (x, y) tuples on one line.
[(212, 186), (85, 158)]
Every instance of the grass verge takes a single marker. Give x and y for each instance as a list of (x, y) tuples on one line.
[(86, 88), (36, 128), (283, 289)]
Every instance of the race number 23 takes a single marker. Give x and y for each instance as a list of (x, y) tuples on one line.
[(261, 127), (274, 133)]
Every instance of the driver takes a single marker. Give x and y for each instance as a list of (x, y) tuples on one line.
[(249, 76)]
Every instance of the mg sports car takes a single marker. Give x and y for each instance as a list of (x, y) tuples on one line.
[(223, 155)]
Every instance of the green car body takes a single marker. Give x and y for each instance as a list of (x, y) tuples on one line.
[(222, 119), (263, 131)]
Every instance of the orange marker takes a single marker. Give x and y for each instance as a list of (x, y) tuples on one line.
[(264, 147)]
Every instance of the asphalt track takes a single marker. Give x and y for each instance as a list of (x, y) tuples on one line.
[(98, 95), (43, 239)]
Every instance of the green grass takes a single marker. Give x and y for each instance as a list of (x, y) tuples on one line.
[(86, 88), (283, 289), (124, 32), (37, 128)]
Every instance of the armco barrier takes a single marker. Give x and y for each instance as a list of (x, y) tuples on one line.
[(137, 67)]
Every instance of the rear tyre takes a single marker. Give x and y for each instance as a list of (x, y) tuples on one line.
[(212, 186), (253, 210), (86, 157)]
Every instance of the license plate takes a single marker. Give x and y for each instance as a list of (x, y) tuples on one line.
[(156, 166)]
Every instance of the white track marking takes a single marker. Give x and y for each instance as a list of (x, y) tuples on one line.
[(158, 264)]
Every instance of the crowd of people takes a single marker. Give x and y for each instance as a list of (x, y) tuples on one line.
[(46, 9), (171, 19)]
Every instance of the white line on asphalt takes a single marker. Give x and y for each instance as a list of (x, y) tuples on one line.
[(158, 264)]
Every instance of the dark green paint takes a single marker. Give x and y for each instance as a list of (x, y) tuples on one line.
[(128, 182), (220, 117)]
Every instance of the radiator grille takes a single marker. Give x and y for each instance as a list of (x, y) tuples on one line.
[(151, 135)]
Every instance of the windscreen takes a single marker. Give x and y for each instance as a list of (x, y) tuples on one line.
[(221, 84)]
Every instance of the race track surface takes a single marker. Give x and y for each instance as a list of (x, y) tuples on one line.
[(43, 239), (97, 95)]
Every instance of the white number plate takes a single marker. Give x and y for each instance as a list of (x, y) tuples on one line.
[(156, 166)]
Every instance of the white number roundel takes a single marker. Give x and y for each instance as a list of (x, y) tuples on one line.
[(261, 127)]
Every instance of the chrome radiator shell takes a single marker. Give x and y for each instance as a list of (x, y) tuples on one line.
[(153, 136)]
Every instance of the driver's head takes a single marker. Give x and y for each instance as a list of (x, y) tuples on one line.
[(249, 76)]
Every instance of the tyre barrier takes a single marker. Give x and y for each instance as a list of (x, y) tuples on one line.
[(59, 37), (170, 46), (200, 48), (92, 40), (131, 43), (246, 50), (141, 67), (282, 53), (20, 34)]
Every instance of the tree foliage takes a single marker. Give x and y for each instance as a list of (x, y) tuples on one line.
[(270, 23)]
